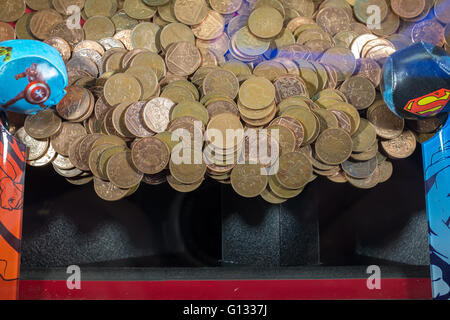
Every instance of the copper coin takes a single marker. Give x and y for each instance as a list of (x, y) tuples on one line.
[(61, 45), (359, 169), (121, 172), (369, 69), (75, 103), (35, 148), (388, 26), (11, 10), (188, 167), (289, 85), (294, 125), (62, 5), (247, 180), (442, 11), (150, 155), (359, 42), (341, 59), (387, 124), (134, 120), (333, 20), (401, 147), (429, 31), (85, 148), (6, 32), (221, 106), (447, 34), (42, 23), (83, 65), (156, 179), (359, 91), (74, 155), (333, 146), (211, 27), (366, 183), (190, 12), (427, 125), (66, 136), (183, 58), (43, 124), (294, 171), (408, 8), (108, 191), (375, 43), (101, 108), (221, 81), (71, 35), (362, 9)]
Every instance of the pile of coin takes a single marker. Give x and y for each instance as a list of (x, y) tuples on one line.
[(300, 77)]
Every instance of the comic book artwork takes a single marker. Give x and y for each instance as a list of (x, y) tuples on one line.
[(12, 173), (35, 74), (436, 158)]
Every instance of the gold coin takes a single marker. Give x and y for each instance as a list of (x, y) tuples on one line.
[(183, 187), (364, 137), (284, 136), (68, 133), (147, 78), (108, 191), (43, 124), (294, 171), (121, 172), (221, 81), (333, 146), (350, 111), (23, 27), (190, 108), (190, 12), (94, 158), (281, 192), (248, 180), (256, 114), (114, 89), (138, 10), (100, 8), (187, 165), (42, 22), (306, 118), (170, 139), (183, 58), (225, 7), (11, 10), (175, 32), (144, 35), (211, 27), (216, 132), (249, 44), (385, 169), (98, 27), (265, 22), (257, 93), (269, 196), (152, 61)]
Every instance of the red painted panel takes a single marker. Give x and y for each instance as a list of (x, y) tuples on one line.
[(411, 288)]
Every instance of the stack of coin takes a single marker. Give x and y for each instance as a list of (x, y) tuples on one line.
[(152, 82)]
